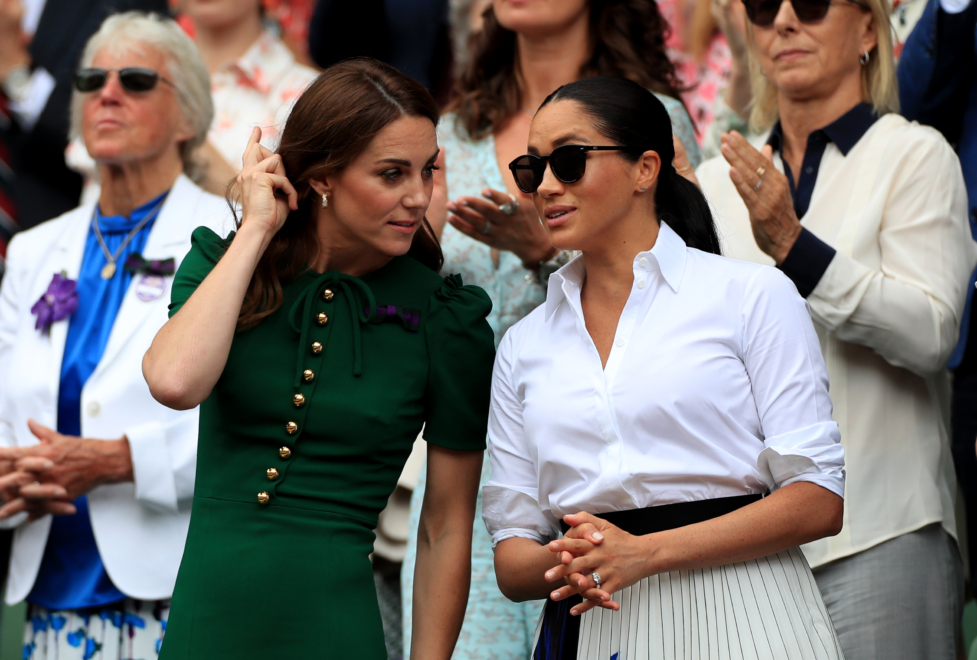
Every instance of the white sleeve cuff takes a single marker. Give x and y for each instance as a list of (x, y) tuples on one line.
[(29, 108), (508, 513), (516, 533), (810, 454), (14, 521), (151, 468), (954, 6)]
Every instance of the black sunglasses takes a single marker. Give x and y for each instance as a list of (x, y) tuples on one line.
[(568, 164), (133, 79), (763, 13)]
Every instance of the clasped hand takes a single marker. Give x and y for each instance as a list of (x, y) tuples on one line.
[(595, 545), (47, 477)]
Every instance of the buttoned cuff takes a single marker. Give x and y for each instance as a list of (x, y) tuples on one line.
[(806, 262), (151, 468), (29, 108)]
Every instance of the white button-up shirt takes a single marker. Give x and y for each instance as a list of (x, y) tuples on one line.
[(714, 387)]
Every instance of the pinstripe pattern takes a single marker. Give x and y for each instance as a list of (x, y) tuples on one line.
[(764, 609)]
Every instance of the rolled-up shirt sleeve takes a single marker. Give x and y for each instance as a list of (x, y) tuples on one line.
[(510, 504), (790, 386)]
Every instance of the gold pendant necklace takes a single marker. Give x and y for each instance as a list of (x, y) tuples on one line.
[(108, 270)]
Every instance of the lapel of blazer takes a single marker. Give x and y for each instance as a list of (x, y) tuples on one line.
[(66, 256), (169, 237)]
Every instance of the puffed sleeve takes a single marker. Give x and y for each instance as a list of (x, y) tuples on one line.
[(790, 387), (461, 350), (206, 249), (510, 500)]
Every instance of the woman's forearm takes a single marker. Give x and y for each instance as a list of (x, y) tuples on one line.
[(520, 564), (444, 551), (441, 581), (793, 515), (189, 352)]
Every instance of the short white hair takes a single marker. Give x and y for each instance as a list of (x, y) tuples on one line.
[(132, 30)]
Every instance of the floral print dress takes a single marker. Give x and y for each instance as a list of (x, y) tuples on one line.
[(131, 630)]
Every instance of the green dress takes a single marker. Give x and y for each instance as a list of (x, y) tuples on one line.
[(301, 443)]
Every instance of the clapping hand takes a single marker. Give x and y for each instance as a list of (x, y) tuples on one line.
[(765, 192), (520, 232)]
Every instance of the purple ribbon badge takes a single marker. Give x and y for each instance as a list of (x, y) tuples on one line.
[(58, 303)]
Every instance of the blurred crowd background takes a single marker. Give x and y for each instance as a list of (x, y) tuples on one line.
[(261, 54)]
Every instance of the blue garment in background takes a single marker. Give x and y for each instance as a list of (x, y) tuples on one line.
[(72, 575)]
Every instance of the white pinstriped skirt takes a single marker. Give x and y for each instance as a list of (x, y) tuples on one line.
[(764, 609)]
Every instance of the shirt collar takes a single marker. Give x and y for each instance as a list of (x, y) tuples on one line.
[(845, 131), (669, 253)]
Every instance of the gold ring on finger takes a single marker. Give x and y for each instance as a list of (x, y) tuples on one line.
[(760, 170)]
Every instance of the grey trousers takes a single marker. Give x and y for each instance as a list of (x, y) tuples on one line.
[(900, 600)]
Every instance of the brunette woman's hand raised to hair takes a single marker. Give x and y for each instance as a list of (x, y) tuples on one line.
[(189, 353), (267, 195)]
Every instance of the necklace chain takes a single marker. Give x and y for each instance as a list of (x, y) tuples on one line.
[(110, 267)]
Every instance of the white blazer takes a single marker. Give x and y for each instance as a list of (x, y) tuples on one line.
[(140, 528)]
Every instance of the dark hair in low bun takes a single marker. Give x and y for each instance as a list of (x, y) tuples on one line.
[(630, 116)]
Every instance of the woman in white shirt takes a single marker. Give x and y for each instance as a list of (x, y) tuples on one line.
[(867, 214), (666, 406)]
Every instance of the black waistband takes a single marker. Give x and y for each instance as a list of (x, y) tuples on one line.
[(671, 516)]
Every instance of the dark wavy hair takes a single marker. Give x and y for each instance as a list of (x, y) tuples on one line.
[(331, 124), (630, 116), (627, 38)]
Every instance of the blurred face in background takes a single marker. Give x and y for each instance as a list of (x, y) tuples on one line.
[(214, 14), (122, 127), (540, 17)]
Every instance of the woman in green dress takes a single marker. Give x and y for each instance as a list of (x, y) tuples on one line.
[(318, 339)]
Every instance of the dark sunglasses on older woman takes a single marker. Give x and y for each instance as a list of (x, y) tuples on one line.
[(132, 78), (763, 13), (568, 164)]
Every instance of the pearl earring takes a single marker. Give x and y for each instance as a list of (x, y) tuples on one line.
[(325, 200)]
